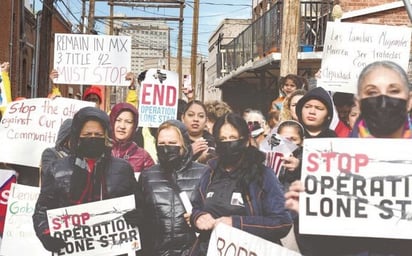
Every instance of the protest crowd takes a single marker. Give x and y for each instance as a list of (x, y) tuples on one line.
[(167, 184)]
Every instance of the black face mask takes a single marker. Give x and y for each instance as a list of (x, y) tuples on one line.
[(169, 156), (91, 147), (383, 114), (230, 152)]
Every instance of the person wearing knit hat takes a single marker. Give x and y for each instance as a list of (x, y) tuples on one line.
[(315, 112), (94, 94)]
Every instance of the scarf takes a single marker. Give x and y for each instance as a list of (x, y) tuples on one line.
[(365, 133)]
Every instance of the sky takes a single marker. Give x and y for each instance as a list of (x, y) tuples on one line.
[(211, 13)]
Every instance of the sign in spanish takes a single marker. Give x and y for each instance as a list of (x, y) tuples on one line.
[(92, 59), (19, 237), (30, 126), (96, 228), (159, 93), (357, 187), (349, 47), (227, 241)]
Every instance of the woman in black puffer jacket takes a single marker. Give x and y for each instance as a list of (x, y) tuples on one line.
[(89, 173), (165, 229)]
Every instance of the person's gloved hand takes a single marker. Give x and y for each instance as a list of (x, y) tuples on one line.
[(52, 244), (132, 218)]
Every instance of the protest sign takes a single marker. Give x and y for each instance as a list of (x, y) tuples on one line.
[(19, 237), (349, 47), (354, 187), (92, 59), (96, 228), (227, 241), (159, 93), (276, 147), (7, 179), (30, 126)]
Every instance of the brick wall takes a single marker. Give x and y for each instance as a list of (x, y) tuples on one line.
[(397, 16), (21, 55)]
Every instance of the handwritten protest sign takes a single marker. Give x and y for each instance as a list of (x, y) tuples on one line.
[(30, 126), (19, 237), (349, 47), (96, 228), (92, 59), (356, 187), (159, 93), (226, 240)]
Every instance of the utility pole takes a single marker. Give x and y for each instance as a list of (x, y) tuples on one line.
[(82, 26), (179, 49), (108, 89), (90, 22), (111, 21), (45, 39), (193, 60), (168, 50), (290, 35)]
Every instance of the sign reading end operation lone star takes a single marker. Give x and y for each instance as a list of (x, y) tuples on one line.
[(159, 93)]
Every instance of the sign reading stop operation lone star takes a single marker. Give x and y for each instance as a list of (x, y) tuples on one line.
[(357, 188), (92, 59)]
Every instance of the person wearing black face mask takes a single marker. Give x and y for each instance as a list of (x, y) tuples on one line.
[(384, 95), (237, 189), (165, 229), (89, 173)]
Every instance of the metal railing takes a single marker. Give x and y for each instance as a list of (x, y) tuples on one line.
[(263, 36)]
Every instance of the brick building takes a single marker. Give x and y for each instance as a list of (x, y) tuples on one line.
[(20, 28), (17, 44)]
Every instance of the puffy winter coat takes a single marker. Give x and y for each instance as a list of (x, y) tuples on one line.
[(164, 230)]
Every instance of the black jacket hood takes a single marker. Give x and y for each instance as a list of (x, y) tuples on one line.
[(317, 93), (81, 117)]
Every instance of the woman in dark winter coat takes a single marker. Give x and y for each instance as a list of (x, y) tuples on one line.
[(89, 173), (161, 216), (123, 121), (315, 112), (237, 189)]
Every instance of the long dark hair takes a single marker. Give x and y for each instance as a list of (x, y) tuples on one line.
[(251, 163)]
